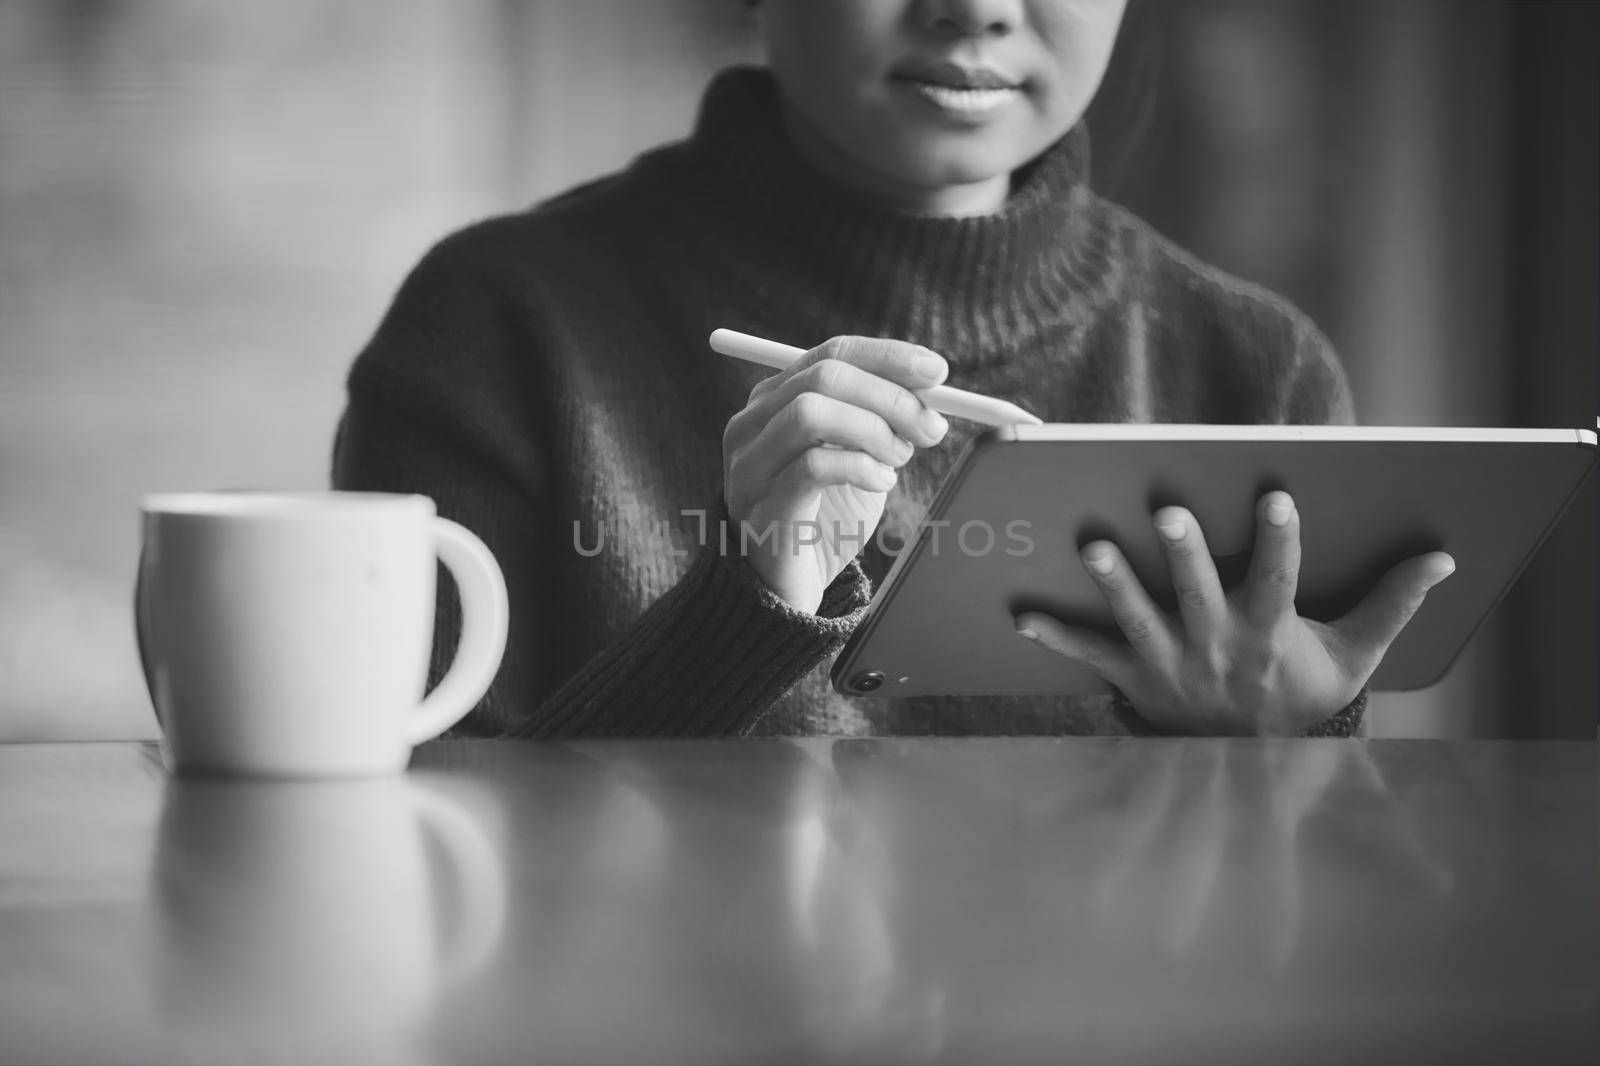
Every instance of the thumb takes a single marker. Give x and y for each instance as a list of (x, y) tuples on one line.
[(1371, 626), (1105, 657)]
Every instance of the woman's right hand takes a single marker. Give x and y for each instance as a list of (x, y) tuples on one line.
[(809, 460)]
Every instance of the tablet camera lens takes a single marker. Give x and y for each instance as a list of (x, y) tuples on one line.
[(869, 681)]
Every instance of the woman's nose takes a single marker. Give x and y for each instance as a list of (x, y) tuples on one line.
[(970, 18)]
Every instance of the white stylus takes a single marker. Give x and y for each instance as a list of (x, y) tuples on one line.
[(941, 398)]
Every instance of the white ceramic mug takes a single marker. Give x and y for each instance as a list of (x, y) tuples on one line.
[(290, 633)]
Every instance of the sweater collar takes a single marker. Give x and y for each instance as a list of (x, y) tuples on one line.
[(968, 287)]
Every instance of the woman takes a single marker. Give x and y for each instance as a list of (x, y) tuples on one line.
[(906, 169)]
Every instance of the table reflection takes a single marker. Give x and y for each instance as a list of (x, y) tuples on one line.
[(909, 901), (1183, 855), (859, 997), (883, 901), (1162, 886), (721, 897), (312, 920)]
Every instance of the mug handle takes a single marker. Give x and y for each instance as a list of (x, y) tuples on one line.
[(485, 616)]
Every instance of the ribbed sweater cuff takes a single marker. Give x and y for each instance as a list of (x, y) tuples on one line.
[(707, 658), (1346, 723)]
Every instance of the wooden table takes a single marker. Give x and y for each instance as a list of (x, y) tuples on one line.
[(967, 901)]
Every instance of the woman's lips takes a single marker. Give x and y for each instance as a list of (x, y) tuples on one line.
[(957, 90), (962, 101)]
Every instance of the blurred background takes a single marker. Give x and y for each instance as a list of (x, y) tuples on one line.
[(205, 208)]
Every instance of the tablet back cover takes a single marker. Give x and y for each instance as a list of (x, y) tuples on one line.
[(1002, 536)]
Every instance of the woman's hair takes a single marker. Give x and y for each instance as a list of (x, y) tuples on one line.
[(1121, 113)]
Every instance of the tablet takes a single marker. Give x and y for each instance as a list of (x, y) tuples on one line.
[(1004, 531)]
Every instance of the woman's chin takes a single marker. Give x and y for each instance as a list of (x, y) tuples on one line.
[(945, 158), (953, 170)]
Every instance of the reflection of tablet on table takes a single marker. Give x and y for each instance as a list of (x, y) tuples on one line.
[(1003, 533)]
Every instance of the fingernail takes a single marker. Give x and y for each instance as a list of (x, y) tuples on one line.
[(1278, 513), (929, 365), (934, 422), (1440, 575), (1099, 562), (1029, 633), (1172, 530)]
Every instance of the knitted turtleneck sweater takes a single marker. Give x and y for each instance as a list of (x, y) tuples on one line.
[(545, 378)]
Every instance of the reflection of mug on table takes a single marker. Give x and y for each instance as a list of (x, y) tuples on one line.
[(309, 914), (289, 633)]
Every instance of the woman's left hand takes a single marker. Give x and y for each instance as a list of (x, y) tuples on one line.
[(1242, 660)]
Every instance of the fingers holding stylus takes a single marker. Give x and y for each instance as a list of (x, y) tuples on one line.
[(818, 468), (812, 419), (871, 375), (822, 440), (863, 388), (910, 365), (842, 414)]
